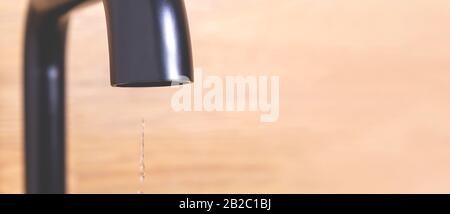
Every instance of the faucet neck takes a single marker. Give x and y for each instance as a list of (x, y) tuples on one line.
[(44, 101)]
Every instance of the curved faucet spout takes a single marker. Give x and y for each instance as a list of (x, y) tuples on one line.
[(149, 46)]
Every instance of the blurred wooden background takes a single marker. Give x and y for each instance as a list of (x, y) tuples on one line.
[(365, 102)]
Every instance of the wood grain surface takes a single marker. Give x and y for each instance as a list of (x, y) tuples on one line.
[(364, 102)]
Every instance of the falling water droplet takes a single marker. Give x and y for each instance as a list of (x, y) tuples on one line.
[(142, 158)]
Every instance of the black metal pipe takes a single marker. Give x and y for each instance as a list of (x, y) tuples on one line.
[(149, 46)]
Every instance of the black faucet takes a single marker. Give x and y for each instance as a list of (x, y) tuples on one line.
[(149, 46)]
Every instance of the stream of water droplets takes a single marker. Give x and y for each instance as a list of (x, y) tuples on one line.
[(142, 159)]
